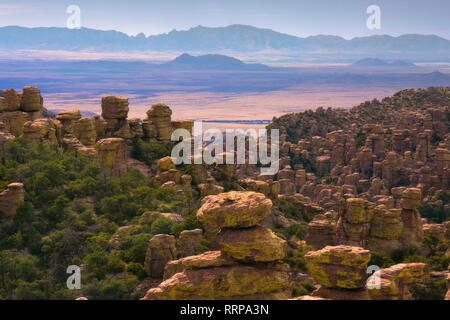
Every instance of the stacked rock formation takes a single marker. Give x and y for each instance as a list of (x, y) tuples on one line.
[(246, 266), (18, 108)]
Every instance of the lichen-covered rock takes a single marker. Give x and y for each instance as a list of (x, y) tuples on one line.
[(257, 244), (190, 243), (161, 249), (114, 107), (225, 282), (11, 199), (397, 280), (339, 266), (233, 210), (112, 157), (31, 99), (386, 224), (434, 230)]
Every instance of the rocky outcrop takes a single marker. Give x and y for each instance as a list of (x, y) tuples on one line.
[(11, 199), (321, 232), (112, 158), (354, 222), (190, 243), (158, 125), (41, 130), (161, 249)]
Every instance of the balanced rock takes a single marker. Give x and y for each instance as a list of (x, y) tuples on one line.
[(233, 209), (114, 107), (31, 99)]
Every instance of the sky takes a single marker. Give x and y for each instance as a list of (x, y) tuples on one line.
[(345, 18)]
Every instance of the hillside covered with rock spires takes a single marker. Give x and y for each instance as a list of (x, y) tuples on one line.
[(359, 190)]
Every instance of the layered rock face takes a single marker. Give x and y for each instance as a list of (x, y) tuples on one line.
[(11, 199), (247, 266)]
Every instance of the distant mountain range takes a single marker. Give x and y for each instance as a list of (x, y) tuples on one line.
[(375, 62), (211, 62), (234, 38)]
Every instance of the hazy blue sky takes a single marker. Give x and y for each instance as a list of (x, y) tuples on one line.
[(346, 18)]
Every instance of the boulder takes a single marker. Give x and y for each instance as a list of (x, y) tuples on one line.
[(233, 210), (225, 282), (339, 266), (31, 99), (114, 107), (257, 244)]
